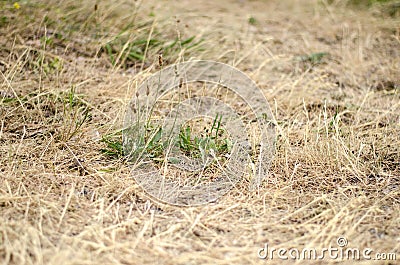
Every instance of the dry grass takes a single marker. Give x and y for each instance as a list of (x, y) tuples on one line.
[(336, 171)]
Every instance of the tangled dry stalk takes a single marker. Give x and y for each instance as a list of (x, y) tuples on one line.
[(330, 72)]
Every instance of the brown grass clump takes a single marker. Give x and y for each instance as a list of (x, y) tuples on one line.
[(68, 70)]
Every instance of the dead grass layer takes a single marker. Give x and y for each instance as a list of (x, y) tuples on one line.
[(68, 71)]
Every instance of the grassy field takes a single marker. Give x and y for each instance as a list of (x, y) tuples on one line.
[(330, 71)]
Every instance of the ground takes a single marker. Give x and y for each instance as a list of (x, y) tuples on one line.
[(330, 71)]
